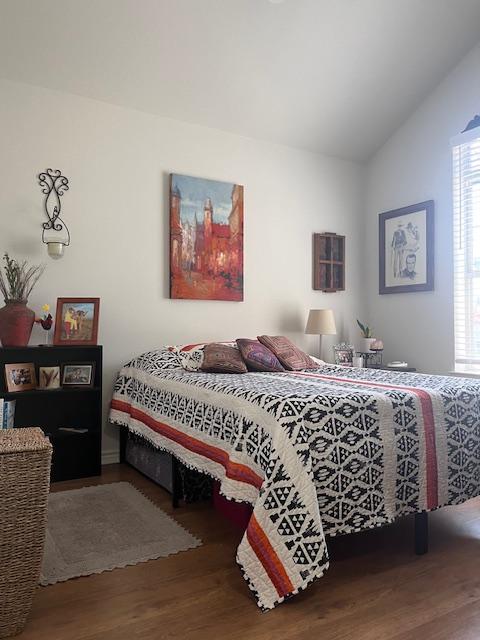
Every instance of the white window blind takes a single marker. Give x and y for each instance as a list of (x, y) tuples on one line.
[(466, 236)]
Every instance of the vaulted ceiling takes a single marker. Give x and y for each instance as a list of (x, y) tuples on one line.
[(334, 76)]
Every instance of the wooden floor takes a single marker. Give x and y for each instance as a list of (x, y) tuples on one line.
[(376, 588)]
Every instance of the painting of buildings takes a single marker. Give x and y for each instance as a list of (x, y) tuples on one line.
[(206, 239)]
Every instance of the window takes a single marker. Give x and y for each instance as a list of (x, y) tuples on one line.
[(466, 236)]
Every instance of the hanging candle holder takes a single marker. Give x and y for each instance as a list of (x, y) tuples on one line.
[(55, 232)]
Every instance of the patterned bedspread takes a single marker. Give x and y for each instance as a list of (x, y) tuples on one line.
[(317, 453)]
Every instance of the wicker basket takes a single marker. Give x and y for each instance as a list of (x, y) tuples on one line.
[(25, 456)]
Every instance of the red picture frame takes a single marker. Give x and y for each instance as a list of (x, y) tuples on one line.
[(76, 321)]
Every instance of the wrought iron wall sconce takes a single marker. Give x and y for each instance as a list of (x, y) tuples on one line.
[(55, 232)]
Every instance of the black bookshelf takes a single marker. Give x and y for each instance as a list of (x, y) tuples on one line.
[(75, 455)]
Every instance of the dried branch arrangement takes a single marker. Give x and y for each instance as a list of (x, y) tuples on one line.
[(18, 279)]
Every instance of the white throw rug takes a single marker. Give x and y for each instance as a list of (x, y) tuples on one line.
[(100, 528)]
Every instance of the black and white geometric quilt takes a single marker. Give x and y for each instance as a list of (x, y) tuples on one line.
[(320, 452)]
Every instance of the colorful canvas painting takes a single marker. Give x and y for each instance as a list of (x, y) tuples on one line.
[(206, 239)]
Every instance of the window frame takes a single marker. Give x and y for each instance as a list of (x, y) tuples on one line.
[(468, 361)]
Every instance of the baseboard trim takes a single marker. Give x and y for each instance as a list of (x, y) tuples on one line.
[(111, 457)]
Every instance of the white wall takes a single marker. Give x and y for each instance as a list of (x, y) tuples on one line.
[(413, 166), (118, 161)]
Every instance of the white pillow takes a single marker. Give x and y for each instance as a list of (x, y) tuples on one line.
[(191, 355)]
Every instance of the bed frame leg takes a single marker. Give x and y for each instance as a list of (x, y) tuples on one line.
[(421, 533), (123, 443), (175, 483)]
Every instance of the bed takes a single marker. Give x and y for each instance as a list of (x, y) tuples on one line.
[(317, 453)]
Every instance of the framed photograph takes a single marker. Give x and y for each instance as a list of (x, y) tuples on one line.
[(76, 321), (406, 245), (20, 377), (49, 377), (78, 374), (344, 354)]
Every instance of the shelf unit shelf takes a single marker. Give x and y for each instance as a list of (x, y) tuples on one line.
[(11, 395)]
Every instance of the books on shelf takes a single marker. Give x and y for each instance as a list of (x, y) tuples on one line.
[(7, 413)]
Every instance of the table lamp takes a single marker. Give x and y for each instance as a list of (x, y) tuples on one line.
[(321, 322)]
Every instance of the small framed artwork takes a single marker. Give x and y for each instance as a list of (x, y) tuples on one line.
[(344, 354), (20, 377), (49, 377), (406, 246), (328, 262), (76, 321), (79, 374)]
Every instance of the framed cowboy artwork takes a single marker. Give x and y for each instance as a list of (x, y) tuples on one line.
[(406, 249)]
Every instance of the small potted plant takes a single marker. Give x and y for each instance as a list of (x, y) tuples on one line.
[(368, 338), (16, 283)]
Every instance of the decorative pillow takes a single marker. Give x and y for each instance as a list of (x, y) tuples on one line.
[(289, 355), (191, 355), (257, 357), (222, 358)]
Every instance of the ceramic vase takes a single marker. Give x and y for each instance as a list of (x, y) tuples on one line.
[(16, 323), (367, 343)]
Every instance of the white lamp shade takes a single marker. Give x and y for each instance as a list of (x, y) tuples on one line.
[(321, 322)]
